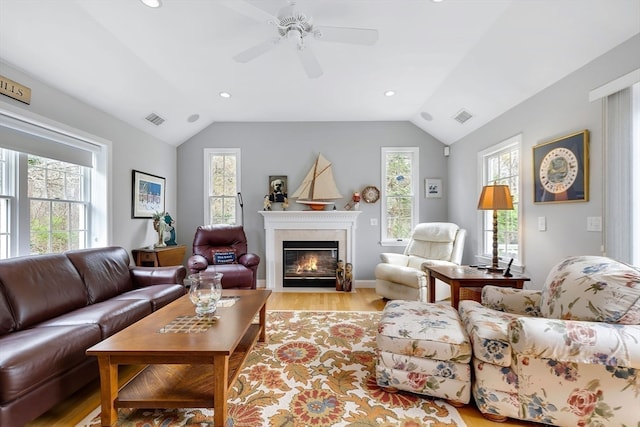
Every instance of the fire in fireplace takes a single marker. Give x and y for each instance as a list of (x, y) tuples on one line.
[(309, 263)]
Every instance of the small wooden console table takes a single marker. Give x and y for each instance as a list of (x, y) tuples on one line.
[(462, 276), (159, 257)]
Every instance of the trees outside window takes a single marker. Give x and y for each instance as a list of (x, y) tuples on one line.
[(222, 167), (400, 188)]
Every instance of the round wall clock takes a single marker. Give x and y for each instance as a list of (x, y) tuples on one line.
[(370, 194), (558, 170)]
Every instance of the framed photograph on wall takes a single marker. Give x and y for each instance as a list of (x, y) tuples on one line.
[(561, 169), (277, 188), (433, 188), (147, 195)]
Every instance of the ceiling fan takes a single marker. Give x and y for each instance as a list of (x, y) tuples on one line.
[(299, 29)]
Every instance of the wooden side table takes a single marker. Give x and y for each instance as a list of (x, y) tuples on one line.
[(462, 276), (159, 257)]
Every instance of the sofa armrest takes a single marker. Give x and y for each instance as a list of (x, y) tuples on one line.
[(576, 341), (395, 259), (249, 260), (511, 300), (197, 263), (147, 276)]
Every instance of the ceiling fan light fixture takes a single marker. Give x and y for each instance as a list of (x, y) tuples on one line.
[(152, 3)]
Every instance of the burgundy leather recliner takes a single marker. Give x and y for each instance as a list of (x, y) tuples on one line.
[(223, 249)]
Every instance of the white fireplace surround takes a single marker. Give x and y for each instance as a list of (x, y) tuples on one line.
[(304, 226)]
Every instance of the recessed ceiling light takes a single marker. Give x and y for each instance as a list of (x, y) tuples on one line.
[(193, 118), (389, 93), (225, 95), (428, 117), (152, 3)]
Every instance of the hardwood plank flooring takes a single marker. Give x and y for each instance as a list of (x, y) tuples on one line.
[(73, 410)]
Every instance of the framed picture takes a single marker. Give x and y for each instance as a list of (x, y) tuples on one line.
[(433, 188), (147, 195), (277, 188), (561, 169)]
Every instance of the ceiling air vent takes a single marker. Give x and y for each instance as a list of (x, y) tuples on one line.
[(462, 116), (155, 119)]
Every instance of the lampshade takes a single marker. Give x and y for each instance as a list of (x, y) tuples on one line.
[(495, 197)]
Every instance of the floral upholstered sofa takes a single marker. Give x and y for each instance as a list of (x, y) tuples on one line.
[(566, 355)]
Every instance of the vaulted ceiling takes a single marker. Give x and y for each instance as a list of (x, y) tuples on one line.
[(440, 58)]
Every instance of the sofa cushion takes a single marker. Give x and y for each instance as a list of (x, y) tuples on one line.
[(157, 295), (419, 329), (592, 288), (111, 316), (34, 356), (105, 271), (41, 287)]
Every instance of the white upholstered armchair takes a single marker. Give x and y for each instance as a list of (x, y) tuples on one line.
[(400, 276)]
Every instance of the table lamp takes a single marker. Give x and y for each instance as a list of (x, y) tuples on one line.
[(496, 198)]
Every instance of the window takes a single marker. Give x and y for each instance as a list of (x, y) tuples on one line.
[(222, 166), (400, 190), (58, 205), (6, 198), (54, 186), (501, 165)]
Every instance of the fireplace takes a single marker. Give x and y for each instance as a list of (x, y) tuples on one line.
[(309, 263)]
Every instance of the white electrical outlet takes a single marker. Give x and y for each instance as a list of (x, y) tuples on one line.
[(373, 221)]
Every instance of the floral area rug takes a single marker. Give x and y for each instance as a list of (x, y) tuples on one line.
[(317, 369)]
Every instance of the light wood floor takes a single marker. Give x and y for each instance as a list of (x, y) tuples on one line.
[(74, 409)]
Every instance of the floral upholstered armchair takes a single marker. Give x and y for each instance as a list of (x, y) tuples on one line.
[(568, 354)]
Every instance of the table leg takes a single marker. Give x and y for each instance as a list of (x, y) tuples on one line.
[(220, 386), (432, 288), (108, 390), (455, 293), (263, 323)]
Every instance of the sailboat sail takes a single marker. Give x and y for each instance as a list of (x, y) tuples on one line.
[(319, 184)]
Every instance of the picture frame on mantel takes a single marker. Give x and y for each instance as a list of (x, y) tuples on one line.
[(561, 169), (147, 194)]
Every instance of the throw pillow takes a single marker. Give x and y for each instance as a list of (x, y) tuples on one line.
[(224, 256), (592, 288)]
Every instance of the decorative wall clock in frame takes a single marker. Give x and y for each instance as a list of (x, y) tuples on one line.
[(561, 169)]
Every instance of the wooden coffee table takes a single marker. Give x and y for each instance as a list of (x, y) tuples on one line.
[(462, 276), (192, 364)]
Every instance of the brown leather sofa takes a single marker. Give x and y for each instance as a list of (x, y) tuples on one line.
[(53, 307), (223, 249)]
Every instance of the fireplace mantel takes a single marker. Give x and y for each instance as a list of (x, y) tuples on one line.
[(305, 225)]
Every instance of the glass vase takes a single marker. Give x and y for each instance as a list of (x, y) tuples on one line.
[(205, 292)]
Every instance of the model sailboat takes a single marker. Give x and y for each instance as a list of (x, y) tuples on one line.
[(318, 189)]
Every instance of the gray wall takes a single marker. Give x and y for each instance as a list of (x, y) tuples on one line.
[(131, 149), (290, 149), (559, 110)]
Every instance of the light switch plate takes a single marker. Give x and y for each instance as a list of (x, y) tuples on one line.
[(542, 223), (594, 223), (373, 221)]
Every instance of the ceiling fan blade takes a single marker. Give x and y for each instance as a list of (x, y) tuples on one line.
[(310, 62), (257, 50), (248, 10), (364, 36)]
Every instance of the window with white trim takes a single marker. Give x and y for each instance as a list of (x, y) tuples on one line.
[(500, 164), (59, 201), (222, 168), (7, 197), (400, 192)]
